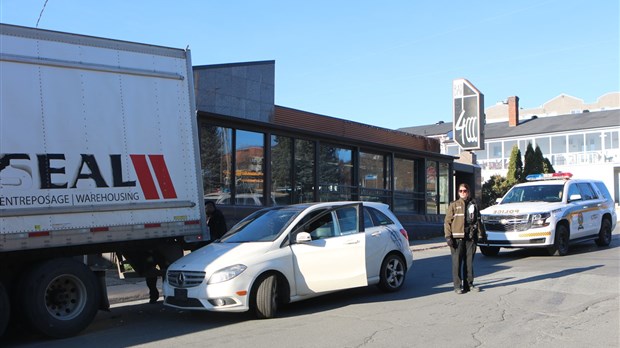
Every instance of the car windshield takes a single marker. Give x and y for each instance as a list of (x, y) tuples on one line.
[(542, 193), (262, 226)]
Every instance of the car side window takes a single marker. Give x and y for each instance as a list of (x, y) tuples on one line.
[(573, 190), (347, 220), (604, 191), (379, 218), (586, 191), (321, 228), (367, 219)]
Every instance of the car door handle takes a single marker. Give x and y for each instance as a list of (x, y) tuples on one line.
[(353, 241), (376, 234)]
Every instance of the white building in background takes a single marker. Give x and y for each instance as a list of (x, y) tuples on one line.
[(576, 137)]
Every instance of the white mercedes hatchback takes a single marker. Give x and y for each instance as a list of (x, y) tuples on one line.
[(290, 253)]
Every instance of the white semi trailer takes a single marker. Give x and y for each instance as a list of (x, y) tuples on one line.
[(98, 153)]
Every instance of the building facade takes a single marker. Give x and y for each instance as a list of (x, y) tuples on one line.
[(255, 153)]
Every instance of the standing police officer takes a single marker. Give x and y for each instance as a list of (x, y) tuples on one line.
[(462, 229)]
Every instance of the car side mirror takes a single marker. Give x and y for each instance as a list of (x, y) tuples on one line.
[(498, 200), (575, 197), (303, 237)]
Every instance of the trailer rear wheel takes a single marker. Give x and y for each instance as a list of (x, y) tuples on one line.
[(60, 297), (5, 309)]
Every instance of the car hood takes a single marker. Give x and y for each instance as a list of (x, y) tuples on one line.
[(522, 208), (218, 255)]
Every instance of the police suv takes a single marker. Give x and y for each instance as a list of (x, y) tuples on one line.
[(549, 211)]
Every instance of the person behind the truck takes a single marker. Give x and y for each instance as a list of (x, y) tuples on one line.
[(462, 229), (215, 221)]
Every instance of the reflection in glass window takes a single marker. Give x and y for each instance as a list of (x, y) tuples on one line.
[(372, 177), (404, 174), (215, 155), (335, 173), (281, 169), (444, 183), (249, 154), (304, 171), (405, 197), (431, 187), (558, 144), (593, 142), (575, 143)]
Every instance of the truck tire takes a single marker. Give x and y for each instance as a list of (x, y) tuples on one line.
[(489, 250), (266, 298), (560, 244), (604, 235), (5, 309), (60, 297)]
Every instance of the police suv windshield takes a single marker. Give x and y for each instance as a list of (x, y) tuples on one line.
[(541, 193)]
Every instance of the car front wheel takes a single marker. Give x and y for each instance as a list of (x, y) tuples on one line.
[(393, 271), (266, 298)]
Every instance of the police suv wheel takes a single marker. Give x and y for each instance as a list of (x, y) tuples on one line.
[(489, 250), (560, 245), (604, 235)]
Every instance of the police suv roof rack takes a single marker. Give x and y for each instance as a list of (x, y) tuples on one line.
[(548, 176)]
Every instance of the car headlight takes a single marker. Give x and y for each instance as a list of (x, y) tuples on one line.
[(227, 273), (540, 219)]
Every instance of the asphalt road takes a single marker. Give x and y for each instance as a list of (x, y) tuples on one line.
[(528, 299)]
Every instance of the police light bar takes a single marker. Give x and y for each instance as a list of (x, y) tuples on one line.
[(548, 176)]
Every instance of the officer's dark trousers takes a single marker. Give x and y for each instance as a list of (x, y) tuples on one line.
[(463, 262)]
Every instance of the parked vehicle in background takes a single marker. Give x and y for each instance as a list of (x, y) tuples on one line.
[(98, 154), (550, 211), (290, 253)]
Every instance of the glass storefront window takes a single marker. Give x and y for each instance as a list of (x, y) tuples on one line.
[(444, 186), (372, 177), (249, 178), (335, 173), (403, 175), (558, 144), (404, 186), (431, 187), (281, 169), (215, 155), (304, 171)]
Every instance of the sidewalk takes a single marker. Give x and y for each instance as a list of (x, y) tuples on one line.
[(135, 289)]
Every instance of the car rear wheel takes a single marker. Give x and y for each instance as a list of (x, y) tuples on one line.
[(489, 250), (604, 235), (266, 298), (560, 245), (393, 271)]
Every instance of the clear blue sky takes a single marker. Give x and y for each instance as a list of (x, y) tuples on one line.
[(385, 63)]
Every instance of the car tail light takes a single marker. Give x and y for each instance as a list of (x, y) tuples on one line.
[(404, 233)]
